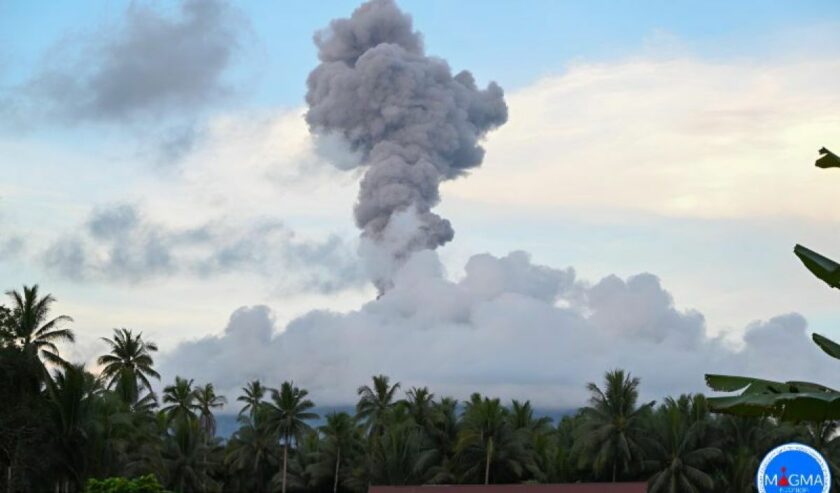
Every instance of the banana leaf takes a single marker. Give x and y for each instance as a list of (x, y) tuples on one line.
[(788, 401)]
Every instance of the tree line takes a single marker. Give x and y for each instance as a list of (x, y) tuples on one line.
[(66, 429)]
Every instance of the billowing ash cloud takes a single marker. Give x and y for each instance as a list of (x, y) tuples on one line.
[(152, 65), (414, 122), (509, 328), (118, 243)]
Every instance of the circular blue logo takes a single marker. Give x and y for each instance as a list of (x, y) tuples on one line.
[(793, 468)]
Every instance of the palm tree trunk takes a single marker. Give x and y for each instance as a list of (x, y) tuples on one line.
[(204, 467), (613, 472), (337, 462), (285, 460), (489, 458), (9, 478)]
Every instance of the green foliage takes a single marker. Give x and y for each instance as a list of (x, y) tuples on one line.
[(376, 404), (180, 400), (490, 447), (31, 328), (286, 418), (681, 448), (609, 439), (252, 395), (788, 401), (207, 400), (143, 484), (6, 334), (129, 365)]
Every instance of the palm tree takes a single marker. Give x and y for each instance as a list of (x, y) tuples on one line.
[(341, 437), (128, 366), (375, 404), (609, 438), (400, 456), (114, 433), (286, 417), (443, 435), (31, 327), (181, 400), (419, 402), (252, 451), (186, 456), (146, 403), (522, 418), (253, 394), (536, 432), (24, 440), (744, 440), (681, 447), (488, 446), (550, 449), (207, 400), (71, 393), (303, 474)]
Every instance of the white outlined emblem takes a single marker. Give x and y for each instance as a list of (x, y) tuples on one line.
[(793, 468)]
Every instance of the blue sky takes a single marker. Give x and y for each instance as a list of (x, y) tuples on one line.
[(675, 138), (513, 43)]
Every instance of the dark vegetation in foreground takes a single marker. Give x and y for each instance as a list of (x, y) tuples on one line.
[(65, 429)]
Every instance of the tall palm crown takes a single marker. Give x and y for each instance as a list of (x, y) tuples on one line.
[(399, 456), (128, 366), (286, 416), (488, 445), (341, 438), (609, 438), (745, 440), (252, 395), (186, 457), (180, 398), (32, 328), (419, 402), (443, 431), (207, 400), (252, 453), (288, 411), (682, 449), (71, 394), (375, 404), (522, 418)]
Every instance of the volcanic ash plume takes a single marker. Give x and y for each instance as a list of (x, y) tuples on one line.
[(413, 122)]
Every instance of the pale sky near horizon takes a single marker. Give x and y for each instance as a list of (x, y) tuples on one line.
[(671, 138)]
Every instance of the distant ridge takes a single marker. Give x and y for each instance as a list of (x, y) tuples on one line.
[(226, 424)]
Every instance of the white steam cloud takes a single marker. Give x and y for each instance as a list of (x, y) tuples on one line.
[(509, 327)]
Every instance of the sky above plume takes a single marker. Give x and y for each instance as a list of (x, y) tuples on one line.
[(613, 184)]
